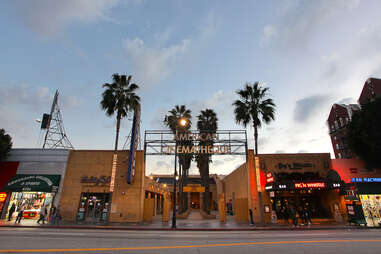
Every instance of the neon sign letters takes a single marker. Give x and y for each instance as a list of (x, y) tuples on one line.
[(312, 185)]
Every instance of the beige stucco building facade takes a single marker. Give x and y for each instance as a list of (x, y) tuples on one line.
[(86, 194)]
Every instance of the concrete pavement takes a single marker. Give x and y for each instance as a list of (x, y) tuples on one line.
[(194, 222)]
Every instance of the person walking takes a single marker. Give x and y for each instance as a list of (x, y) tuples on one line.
[(293, 216), (58, 215), (43, 213), (301, 215), (52, 214), (20, 214), (307, 215), (11, 211)]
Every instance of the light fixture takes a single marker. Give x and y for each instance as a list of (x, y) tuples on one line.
[(183, 121)]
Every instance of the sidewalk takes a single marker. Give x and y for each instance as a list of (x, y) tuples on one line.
[(182, 225)]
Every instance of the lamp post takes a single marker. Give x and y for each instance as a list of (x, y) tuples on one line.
[(182, 122)]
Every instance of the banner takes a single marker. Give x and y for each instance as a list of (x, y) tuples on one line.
[(133, 146)]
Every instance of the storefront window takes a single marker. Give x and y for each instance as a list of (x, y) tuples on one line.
[(371, 205), (33, 202)]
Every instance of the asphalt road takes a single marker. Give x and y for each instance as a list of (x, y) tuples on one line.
[(36, 240)]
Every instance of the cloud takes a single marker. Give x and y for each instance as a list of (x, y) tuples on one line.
[(218, 101), (35, 97), (47, 18), (161, 164), (307, 107), (299, 21), (157, 122), (25, 94), (348, 101), (151, 65)]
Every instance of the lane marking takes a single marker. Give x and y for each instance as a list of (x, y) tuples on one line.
[(189, 246)]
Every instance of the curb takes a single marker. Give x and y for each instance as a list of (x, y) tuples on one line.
[(193, 229)]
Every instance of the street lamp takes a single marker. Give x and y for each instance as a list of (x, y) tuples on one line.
[(182, 122)]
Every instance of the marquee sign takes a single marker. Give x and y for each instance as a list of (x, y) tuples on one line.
[(223, 142), (310, 185)]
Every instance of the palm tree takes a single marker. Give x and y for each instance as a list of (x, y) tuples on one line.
[(254, 106), (172, 121), (120, 98), (206, 124)]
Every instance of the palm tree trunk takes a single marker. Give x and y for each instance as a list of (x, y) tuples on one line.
[(181, 184), (118, 118), (262, 216), (256, 139), (207, 191)]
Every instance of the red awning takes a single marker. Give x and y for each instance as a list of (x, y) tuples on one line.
[(7, 171)]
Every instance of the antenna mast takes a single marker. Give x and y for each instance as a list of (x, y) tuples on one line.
[(55, 136)]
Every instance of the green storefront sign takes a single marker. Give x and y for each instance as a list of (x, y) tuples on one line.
[(41, 183)]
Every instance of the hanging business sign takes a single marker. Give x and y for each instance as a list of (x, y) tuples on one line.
[(133, 146), (42, 183)]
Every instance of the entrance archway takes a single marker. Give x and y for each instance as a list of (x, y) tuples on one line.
[(190, 195)]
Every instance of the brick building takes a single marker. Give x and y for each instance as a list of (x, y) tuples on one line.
[(338, 120), (371, 90), (341, 115)]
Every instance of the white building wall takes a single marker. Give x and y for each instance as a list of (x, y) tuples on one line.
[(42, 162)]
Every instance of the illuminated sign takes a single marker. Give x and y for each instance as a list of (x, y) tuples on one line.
[(3, 196), (366, 180), (311, 185), (269, 187), (269, 178)]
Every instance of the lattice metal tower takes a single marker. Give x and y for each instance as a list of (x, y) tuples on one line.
[(55, 136)]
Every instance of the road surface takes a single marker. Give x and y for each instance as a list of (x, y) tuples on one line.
[(43, 240)]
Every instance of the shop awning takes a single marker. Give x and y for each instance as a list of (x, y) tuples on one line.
[(41, 183), (7, 171)]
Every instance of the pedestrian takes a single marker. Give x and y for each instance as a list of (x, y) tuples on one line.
[(52, 214), (58, 215), (11, 211), (230, 207), (307, 215), (20, 214), (286, 214), (301, 215), (43, 213), (293, 215)]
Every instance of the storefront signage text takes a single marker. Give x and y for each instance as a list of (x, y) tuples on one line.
[(269, 178), (102, 180), (366, 180), (218, 149), (43, 183), (294, 166), (196, 149), (309, 185)]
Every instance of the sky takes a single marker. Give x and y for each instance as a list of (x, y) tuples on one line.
[(310, 54)]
